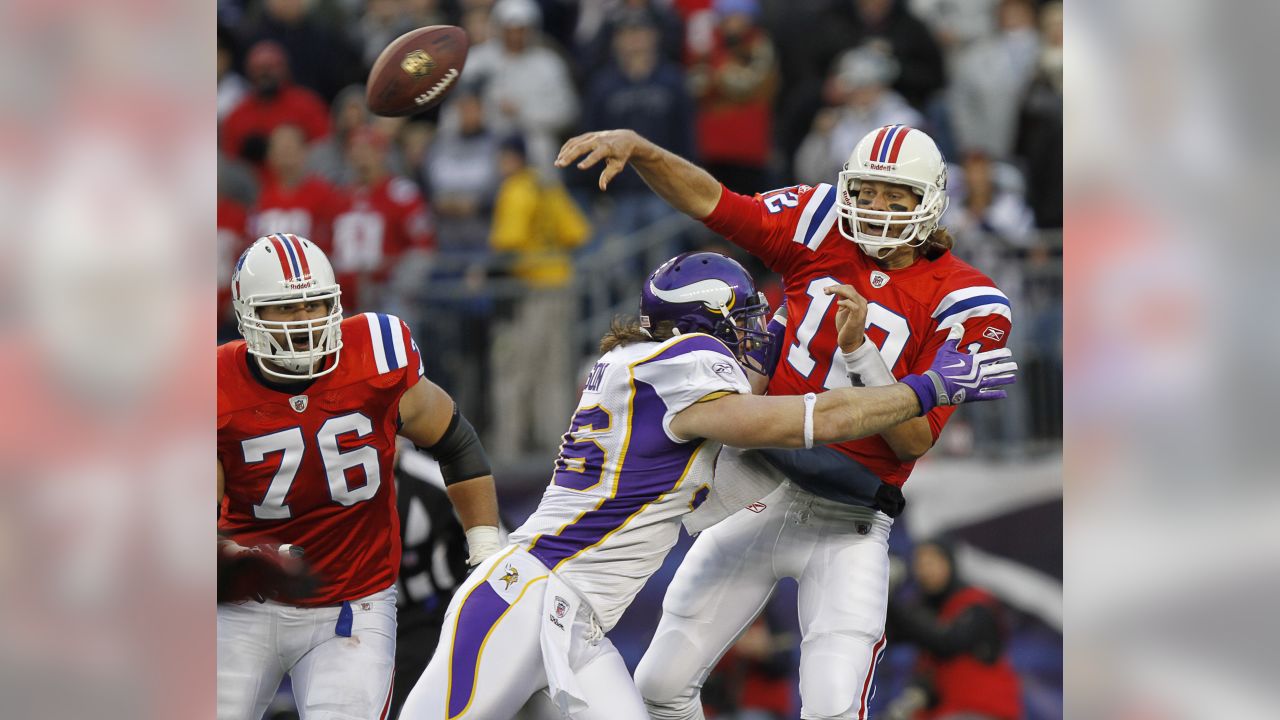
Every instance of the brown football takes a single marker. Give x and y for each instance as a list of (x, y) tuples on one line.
[(417, 70)]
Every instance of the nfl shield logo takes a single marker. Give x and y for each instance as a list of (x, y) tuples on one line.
[(562, 607), (298, 402), (878, 279)]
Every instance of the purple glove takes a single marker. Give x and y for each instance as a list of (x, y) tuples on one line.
[(767, 357), (958, 377)]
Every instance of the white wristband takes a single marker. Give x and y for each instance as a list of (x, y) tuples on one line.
[(866, 366), (809, 400), (482, 541)]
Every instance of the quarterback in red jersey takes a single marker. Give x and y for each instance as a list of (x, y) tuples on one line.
[(872, 239), (309, 405)]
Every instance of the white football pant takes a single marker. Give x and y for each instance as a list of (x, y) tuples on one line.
[(839, 554), (334, 677), (490, 659)]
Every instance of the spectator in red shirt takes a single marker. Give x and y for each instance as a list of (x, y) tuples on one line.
[(963, 670), (292, 201), (274, 101), (231, 242), (381, 225), (733, 80)]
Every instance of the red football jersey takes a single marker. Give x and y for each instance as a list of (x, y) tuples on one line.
[(305, 209), (793, 230), (373, 226), (231, 242), (314, 468)]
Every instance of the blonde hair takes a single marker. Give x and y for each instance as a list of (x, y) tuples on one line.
[(938, 242), (626, 330)]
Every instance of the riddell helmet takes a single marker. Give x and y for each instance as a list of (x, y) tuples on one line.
[(895, 154), (709, 293), (280, 269)]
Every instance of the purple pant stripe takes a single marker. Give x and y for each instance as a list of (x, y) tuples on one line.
[(476, 619)]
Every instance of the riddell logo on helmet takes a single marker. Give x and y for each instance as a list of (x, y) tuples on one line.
[(882, 166), (300, 284)]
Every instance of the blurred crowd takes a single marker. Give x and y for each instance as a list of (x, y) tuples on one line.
[(762, 93)]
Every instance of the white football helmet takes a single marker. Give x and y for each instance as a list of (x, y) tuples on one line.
[(896, 154), (280, 269)]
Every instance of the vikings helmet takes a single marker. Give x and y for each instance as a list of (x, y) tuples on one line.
[(280, 269), (895, 154), (706, 292)]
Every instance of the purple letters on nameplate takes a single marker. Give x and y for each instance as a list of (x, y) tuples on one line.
[(476, 618), (652, 466)]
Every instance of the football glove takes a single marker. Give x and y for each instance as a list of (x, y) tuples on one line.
[(262, 572), (957, 377)]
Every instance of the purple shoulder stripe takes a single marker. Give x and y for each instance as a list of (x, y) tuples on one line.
[(689, 343)]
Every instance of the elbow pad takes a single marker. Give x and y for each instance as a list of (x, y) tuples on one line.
[(459, 452)]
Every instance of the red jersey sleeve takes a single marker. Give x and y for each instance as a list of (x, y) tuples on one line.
[(412, 213), (781, 227), (984, 313)]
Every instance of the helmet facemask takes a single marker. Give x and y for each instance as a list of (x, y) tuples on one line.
[(746, 332), (917, 224), (301, 347)]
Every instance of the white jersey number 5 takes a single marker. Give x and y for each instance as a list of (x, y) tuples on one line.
[(336, 463), (895, 327)]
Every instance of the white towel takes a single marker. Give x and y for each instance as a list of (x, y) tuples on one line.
[(741, 477), (560, 610)]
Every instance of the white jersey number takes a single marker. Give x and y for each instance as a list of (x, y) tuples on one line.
[(895, 327), (336, 463)]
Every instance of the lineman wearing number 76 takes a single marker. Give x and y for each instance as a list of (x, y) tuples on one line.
[(309, 405), (827, 522)]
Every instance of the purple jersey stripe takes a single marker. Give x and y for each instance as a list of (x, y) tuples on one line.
[(476, 618), (651, 465), (689, 343)]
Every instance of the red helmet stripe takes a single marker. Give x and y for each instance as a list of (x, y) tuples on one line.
[(897, 144), (284, 261), (875, 149), (302, 256)]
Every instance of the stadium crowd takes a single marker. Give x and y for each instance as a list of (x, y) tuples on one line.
[(762, 93)]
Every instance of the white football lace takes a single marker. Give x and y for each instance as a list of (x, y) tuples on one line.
[(438, 88)]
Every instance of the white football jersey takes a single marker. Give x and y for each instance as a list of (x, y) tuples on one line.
[(622, 481)]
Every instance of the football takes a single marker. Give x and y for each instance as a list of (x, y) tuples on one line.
[(417, 70)]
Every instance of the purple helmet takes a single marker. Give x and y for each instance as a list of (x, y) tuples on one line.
[(709, 293)]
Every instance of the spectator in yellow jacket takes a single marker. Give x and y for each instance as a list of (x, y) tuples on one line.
[(539, 225)]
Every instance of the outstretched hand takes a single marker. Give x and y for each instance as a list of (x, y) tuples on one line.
[(851, 316), (615, 147), (957, 377)]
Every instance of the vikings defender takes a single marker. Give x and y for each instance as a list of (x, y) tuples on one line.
[(827, 523), (636, 459), (308, 408)]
